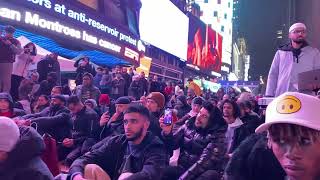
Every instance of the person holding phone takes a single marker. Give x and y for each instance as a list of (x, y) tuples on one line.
[(202, 145), (9, 48)]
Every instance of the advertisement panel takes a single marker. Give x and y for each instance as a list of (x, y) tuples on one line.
[(204, 47), (163, 25)]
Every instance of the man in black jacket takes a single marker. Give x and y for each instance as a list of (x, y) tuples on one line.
[(49, 64), (20, 151), (134, 156), (54, 120), (84, 122), (202, 146)]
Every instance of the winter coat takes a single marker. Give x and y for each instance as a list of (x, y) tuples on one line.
[(146, 162), (154, 86), (24, 160), (47, 65), (251, 121), (283, 74), (135, 90), (84, 93), (253, 160), (84, 123), (57, 123), (114, 128), (22, 65), (200, 150), (240, 134), (83, 69), (118, 86), (8, 53), (14, 112)]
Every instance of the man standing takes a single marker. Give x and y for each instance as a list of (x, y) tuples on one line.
[(291, 60), (47, 65), (9, 48), (135, 155)]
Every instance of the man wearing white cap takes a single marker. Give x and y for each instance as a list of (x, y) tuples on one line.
[(290, 60), (293, 126)]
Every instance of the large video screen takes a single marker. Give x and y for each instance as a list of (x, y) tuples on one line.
[(163, 25), (204, 47)]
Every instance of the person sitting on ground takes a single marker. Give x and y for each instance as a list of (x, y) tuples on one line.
[(57, 90), (155, 104), (104, 104), (43, 102), (87, 90), (181, 106), (237, 131), (137, 154), (202, 145), (47, 85), (91, 104), (20, 151), (7, 107), (289, 139), (54, 120), (83, 66), (196, 106), (85, 120), (248, 117), (112, 126)]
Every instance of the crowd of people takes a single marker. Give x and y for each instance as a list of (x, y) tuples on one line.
[(118, 125)]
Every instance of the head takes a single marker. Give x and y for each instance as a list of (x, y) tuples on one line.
[(74, 104), (34, 76), (57, 102), (230, 110), (298, 33), (155, 102), (209, 116), (214, 101), (292, 123), (191, 93), (10, 134), (142, 75), (131, 70), (124, 70), (43, 100), (57, 90), (52, 77), (118, 76), (30, 48), (155, 78), (117, 69), (226, 97), (6, 102), (197, 104), (136, 123), (87, 79), (84, 61), (9, 30), (53, 56), (90, 103), (122, 104)]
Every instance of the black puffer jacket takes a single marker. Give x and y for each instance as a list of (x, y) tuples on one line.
[(24, 160), (84, 124), (254, 161), (83, 69), (55, 122), (200, 150), (112, 128), (146, 162)]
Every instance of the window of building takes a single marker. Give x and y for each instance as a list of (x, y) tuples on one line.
[(222, 28), (229, 5), (219, 1), (215, 13), (225, 16), (205, 1), (90, 3)]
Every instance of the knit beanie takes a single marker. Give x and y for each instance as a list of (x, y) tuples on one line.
[(9, 133), (158, 98), (92, 101), (104, 98)]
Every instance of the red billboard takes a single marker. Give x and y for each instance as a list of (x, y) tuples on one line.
[(204, 47)]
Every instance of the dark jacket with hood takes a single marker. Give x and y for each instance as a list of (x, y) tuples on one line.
[(88, 92), (47, 65), (55, 121), (184, 109), (117, 156), (83, 69), (253, 160), (84, 124), (15, 112), (135, 90), (200, 149), (24, 161)]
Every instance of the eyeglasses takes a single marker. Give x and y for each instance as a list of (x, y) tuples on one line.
[(299, 32)]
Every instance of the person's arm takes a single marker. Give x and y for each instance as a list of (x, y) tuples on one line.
[(273, 76), (156, 160), (36, 115), (172, 140), (48, 122), (212, 154)]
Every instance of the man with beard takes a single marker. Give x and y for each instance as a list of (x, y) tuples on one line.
[(137, 154), (54, 120), (291, 60), (87, 90)]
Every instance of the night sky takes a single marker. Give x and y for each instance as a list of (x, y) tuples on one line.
[(259, 22)]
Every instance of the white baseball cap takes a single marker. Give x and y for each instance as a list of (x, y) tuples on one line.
[(297, 25), (293, 108)]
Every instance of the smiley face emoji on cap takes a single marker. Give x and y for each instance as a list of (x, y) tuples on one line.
[(288, 105)]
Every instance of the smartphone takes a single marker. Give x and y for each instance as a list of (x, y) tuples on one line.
[(167, 120)]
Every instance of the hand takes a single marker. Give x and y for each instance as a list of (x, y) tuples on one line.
[(68, 142), (104, 118), (124, 176), (167, 129), (78, 177)]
